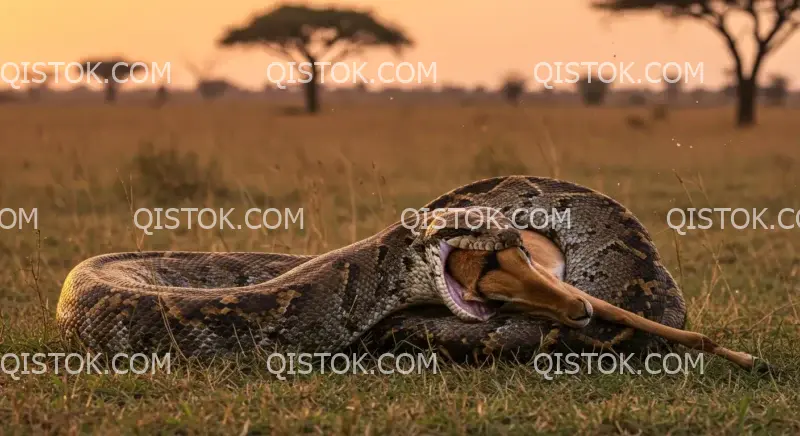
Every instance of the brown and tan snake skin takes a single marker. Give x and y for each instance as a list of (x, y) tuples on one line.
[(382, 289)]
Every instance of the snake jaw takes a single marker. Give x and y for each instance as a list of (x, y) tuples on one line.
[(454, 295), (470, 242)]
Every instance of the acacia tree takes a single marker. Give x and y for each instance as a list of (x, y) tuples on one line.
[(208, 87), (593, 90), (306, 36), (778, 90), (774, 22), (40, 85), (113, 71), (672, 87), (513, 88)]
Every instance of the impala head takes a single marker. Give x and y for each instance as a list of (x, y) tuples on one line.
[(480, 263), (473, 228), (509, 275)]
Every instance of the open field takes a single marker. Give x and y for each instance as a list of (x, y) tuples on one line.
[(353, 169)]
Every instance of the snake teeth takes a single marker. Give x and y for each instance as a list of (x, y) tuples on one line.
[(462, 242), (471, 243)]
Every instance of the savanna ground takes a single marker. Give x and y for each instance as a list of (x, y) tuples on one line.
[(353, 170)]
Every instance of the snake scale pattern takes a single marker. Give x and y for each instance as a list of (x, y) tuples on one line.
[(379, 291)]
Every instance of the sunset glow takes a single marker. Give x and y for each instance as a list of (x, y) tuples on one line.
[(471, 42)]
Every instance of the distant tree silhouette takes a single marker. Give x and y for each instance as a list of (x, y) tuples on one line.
[(637, 99), (729, 91), (162, 95), (547, 91), (112, 71), (361, 87), (40, 84), (209, 88), (777, 91), (672, 87), (8, 96), (513, 88), (212, 88), (716, 13), (698, 94), (299, 33), (593, 90), (36, 90)]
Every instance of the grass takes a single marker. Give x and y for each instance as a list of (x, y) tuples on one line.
[(353, 170)]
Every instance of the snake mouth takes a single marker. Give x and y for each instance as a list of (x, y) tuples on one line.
[(453, 294)]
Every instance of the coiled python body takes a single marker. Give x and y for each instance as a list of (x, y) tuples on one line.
[(387, 287)]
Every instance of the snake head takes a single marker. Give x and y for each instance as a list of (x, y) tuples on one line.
[(470, 228)]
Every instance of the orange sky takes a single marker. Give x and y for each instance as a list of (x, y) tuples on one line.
[(471, 41)]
